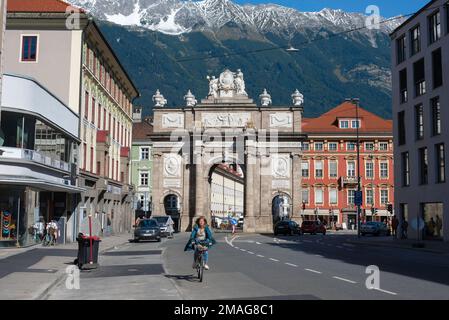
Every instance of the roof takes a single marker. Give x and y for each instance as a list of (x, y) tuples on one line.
[(328, 122), (55, 6), (142, 129)]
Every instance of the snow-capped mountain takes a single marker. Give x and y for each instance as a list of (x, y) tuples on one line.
[(181, 16)]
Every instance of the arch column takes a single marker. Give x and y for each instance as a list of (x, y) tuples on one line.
[(250, 162), (199, 186), (296, 188)]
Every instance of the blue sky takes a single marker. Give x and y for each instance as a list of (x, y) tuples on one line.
[(388, 8)]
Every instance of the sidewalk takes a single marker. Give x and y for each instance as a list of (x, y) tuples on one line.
[(29, 273), (429, 246)]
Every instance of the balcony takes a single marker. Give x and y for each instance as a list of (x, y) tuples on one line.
[(34, 156), (124, 152), (348, 181), (104, 137)]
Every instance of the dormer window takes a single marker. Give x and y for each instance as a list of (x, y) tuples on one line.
[(344, 124), (355, 124)]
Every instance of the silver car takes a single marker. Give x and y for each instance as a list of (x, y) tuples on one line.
[(374, 228)]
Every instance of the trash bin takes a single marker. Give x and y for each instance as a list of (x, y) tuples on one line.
[(83, 261)]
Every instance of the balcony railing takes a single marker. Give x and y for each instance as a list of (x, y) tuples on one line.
[(34, 156)]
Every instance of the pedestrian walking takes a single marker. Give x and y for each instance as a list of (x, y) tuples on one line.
[(438, 226), (404, 228), (394, 226)]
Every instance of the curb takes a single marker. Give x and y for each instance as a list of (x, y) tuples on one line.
[(396, 246), (42, 295)]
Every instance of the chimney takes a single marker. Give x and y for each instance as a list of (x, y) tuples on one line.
[(137, 114)]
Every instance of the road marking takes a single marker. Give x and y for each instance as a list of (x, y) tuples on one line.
[(258, 243), (260, 256), (343, 279), (291, 264), (237, 248), (250, 252), (340, 247), (243, 250), (314, 271), (386, 291), (274, 260)]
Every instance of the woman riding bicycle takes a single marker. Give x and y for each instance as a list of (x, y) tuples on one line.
[(200, 240)]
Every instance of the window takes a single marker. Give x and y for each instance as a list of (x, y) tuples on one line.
[(369, 146), (403, 86), (318, 169), (85, 156), (435, 27), (351, 146), (333, 146), (384, 170), (305, 169), (318, 146), (419, 77), (351, 197), (401, 48), (333, 196), (384, 196), (405, 161), (383, 146), (436, 116), (351, 169), (344, 124), (99, 116), (355, 124), (319, 196), (333, 169), (29, 49), (104, 118), (369, 170), (93, 110), (415, 36), (144, 179), (369, 196), (423, 166), (437, 69), (92, 160), (86, 105), (305, 195), (144, 153), (441, 165), (419, 122), (305, 146), (401, 128)]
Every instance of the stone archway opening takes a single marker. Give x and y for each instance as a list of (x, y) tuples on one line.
[(281, 207), (226, 195), (172, 208)]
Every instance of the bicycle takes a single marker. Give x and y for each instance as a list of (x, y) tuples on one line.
[(200, 263), (50, 238)]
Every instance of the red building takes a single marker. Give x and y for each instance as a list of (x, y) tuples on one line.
[(329, 167)]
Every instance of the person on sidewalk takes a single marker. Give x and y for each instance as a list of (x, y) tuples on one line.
[(404, 229), (394, 226), (200, 237), (438, 226)]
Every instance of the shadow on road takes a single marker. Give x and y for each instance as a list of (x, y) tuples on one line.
[(187, 277), (405, 262)]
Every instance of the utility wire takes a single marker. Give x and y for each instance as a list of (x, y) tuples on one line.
[(241, 53)]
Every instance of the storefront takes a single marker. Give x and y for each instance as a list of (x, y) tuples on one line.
[(432, 214)]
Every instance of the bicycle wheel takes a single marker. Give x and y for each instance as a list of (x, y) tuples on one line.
[(200, 267)]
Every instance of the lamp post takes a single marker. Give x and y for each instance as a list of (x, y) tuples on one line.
[(356, 102)]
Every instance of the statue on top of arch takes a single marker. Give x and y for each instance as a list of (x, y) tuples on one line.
[(228, 85)]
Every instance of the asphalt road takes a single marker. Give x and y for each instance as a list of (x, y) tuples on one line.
[(263, 267), (307, 267)]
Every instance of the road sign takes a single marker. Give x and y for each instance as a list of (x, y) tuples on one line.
[(358, 198)]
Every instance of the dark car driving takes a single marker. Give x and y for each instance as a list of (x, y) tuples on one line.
[(313, 227), (287, 227), (147, 229)]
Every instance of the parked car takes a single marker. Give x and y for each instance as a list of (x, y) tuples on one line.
[(287, 227), (313, 227), (165, 224), (147, 229), (374, 228)]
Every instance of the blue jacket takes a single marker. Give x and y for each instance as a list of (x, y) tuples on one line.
[(192, 238)]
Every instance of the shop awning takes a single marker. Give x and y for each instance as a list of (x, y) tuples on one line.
[(40, 184)]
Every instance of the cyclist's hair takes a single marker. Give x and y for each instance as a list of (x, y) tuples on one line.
[(201, 218)]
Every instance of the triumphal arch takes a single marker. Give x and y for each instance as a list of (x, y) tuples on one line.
[(227, 127)]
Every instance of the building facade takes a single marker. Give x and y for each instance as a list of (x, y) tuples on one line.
[(420, 69), (142, 163), (38, 140), (65, 51), (329, 166), (227, 191), (2, 34)]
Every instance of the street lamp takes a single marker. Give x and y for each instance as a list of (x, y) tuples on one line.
[(356, 102)]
